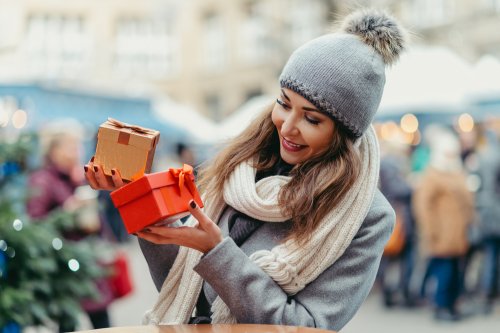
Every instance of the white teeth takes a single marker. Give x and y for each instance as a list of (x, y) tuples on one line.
[(293, 144)]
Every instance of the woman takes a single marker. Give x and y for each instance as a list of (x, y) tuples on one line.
[(53, 187), (444, 208), (293, 227)]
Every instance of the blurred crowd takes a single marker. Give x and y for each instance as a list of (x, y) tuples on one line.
[(444, 251)]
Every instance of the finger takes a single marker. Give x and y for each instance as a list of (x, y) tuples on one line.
[(159, 239), (89, 175), (153, 238), (180, 232), (101, 178), (199, 214), (117, 178)]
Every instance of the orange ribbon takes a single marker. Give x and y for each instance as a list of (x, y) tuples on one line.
[(134, 128), (181, 174)]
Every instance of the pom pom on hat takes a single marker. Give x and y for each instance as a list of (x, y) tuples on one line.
[(379, 30)]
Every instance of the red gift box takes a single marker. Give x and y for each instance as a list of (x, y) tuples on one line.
[(157, 198)]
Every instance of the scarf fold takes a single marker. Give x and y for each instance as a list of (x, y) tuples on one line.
[(290, 265)]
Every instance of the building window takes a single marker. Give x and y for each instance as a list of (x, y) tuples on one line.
[(214, 106), (306, 20), (253, 93), (255, 45), (146, 48), (57, 45), (429, 13), (214, 44)]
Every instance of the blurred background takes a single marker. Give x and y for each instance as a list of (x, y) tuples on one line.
[(198, 71)]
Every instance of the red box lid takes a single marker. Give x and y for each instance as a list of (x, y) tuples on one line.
[(142, 186)]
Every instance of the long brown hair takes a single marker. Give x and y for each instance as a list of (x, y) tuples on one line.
[(316, 186)]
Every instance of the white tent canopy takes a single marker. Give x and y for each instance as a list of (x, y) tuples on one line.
[(426, 78), (200, 128), (485, 79), (242, 117)]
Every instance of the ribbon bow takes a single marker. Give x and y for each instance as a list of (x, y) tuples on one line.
[(181, 174), (134, 128)]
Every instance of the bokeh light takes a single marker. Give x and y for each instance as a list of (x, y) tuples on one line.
[(465, 122), (73, 265), (19, 119), (409, 123)]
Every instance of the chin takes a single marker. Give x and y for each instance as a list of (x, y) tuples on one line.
[(289, 159)]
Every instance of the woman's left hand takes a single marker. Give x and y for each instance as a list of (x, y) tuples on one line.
[(204, 236)]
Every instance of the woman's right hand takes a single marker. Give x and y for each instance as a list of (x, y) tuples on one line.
[(99, 181)]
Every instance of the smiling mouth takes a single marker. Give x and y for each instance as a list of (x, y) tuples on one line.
[(290, 146)]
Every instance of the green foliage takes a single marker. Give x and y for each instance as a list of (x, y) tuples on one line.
[(37, 284), (18, 150)]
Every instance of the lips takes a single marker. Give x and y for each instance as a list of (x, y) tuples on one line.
[(290, 146)]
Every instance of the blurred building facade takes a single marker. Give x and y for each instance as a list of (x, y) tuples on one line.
[(465, 26), (212, 55)]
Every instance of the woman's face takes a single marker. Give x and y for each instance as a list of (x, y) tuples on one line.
[(304, 132), (66, 153)]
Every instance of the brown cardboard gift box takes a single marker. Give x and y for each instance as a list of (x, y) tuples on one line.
[(128, 148)]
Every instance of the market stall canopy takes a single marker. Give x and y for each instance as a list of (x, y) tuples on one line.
[(243, 116), (426, 79), (485, 81), (198, 128)]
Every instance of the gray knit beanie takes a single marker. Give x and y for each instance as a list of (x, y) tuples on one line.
[(343, 73)]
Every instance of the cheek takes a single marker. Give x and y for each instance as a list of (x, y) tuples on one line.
[(276, 118), (320, 141)]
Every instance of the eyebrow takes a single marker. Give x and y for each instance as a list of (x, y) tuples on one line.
[(305, 108), (283, 92)]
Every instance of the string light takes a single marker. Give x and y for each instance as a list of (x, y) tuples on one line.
[(19, 119), (409, 123), (17, 225), (57, 244), (465, 122), (73, 265)]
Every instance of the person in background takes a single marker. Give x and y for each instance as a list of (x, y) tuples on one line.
[(54, 186), (444, 208), (394, 184), (185, 154), (293, 226), (488, 206)]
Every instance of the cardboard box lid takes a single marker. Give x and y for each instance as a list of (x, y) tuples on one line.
[(141, 137), (142, 186)]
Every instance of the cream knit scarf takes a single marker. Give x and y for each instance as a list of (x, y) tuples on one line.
[(290, 265)]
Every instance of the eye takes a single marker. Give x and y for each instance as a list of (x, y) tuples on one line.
[(312, 120), (283, 104)]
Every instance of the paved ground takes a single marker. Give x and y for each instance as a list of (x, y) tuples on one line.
[(371, 318)]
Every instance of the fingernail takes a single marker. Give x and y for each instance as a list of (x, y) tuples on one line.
[(113, 172), (192, 204), (92, 159), (96, 169), (86, 168), (147, 230)]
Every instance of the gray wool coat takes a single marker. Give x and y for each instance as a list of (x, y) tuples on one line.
[(328, 302)]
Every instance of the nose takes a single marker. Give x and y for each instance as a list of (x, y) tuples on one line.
[(289, 126)]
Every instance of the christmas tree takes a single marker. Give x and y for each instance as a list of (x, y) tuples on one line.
[(43, 277)]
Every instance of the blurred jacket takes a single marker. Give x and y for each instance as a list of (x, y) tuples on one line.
[(488, 195), (444, 208), (443, 205)]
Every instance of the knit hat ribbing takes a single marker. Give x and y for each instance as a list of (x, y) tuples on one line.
[(343, 73)]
